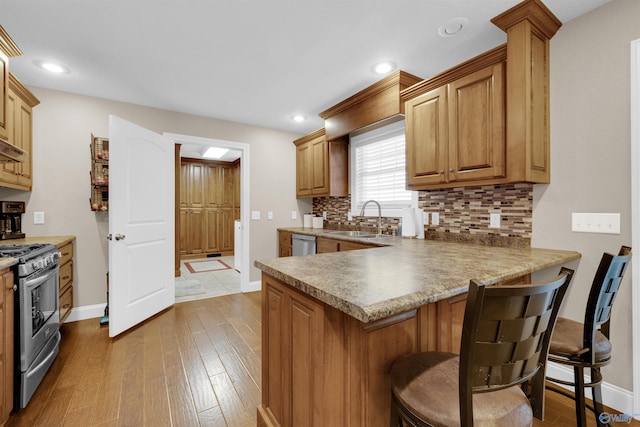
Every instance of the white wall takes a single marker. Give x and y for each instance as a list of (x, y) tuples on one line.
[(63, 124), (591, 158)]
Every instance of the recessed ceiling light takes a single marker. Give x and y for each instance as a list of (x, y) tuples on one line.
[(384, 67), (215, 152), (52, 67), (298, 118), (453, 27)]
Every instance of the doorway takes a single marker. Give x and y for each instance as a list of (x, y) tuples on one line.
[(243, 149)]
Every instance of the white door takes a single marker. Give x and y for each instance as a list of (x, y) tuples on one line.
[(141, 224)]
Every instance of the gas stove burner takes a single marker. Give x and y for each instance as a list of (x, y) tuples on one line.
[(16, 251)]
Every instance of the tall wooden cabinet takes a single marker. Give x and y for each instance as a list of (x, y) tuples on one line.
[(321, 166), (16, 104), (7, 295), (486, 121), (209, 204), (20, 103)]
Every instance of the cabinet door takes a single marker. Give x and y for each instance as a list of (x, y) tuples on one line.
[(324, 245), (6, 345), (4, 85), (212, 230), (320, 166), (304, 162), (195, 186), (184, 232), (24, 138), (195, 235), (225, 229), (477, 126), (184, 184), (294, 356), (212, 187), (426, 138), (226, 186), (9, 170)]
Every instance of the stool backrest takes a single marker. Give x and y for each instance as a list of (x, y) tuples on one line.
[(604, 289), (505, 335)]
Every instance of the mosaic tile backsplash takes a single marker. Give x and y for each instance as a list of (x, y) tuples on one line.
[(464, 213)]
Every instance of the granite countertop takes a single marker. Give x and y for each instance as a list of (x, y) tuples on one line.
[(59, 241), (402, 273)]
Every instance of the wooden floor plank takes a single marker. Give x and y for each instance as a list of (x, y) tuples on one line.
[(196, 364)]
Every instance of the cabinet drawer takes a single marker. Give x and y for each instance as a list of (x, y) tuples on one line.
[(66, 253), (66, 275), (66, 303)]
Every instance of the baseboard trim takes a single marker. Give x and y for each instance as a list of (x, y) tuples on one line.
[(253, 286), (85, 312), (613, 396)]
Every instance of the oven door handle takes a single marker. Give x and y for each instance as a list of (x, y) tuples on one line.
[(52, 354), (43, 276)]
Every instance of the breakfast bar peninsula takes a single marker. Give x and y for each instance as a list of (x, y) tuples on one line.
[(333, 323)]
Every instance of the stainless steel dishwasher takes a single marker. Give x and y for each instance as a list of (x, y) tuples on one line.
[(303, 244)]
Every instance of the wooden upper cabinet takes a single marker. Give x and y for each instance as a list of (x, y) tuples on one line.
[(321, 166), (455, 132), (377, 102), (486, 121)]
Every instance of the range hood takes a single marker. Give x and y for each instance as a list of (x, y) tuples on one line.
[(11, 153)]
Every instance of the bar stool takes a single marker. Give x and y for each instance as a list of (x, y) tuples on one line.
[(505, 338), (586, 345)]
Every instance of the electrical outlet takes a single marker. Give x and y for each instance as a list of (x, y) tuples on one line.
[(324, 215), (435, 218), (255, 215), (294, 215), (349, 216), (494, 220), (38, 217), (269, 215), (425, 218), (607, 223)]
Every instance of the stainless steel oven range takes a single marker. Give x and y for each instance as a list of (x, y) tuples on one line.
[(37, 321)]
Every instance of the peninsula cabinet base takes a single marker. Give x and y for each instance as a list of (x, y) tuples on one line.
[(322, 367)]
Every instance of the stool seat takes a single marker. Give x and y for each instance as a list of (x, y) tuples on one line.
[(427, 384), (568, 341)]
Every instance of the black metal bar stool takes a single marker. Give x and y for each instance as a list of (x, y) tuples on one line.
[(586, 345)]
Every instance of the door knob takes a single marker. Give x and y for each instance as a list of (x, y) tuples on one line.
[(120, 236), (109, 236)]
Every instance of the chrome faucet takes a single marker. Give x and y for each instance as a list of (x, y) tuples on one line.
[(379, 215)]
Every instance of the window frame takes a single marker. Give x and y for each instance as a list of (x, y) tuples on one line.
[(371, 135)]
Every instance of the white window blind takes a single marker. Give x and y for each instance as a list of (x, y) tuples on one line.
[(378, 168)]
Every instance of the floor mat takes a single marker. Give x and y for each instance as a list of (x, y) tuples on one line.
[(204, 266), (188, 287)]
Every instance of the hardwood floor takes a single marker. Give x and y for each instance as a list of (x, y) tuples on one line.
[(196, 364)]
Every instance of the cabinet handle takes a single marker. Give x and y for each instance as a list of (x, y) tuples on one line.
[(66, 306), (65, 277), (441, 171), (450, 169)]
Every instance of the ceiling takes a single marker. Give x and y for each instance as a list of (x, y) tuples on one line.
[(257, 62)]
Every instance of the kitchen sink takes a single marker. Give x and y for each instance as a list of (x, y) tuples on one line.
[(353, 233)]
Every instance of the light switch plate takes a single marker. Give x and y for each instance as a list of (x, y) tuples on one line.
[(607, 223), (269, 215), (38, 217), (294, 215), (255, 215)]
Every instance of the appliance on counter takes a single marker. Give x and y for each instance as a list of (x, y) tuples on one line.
[(11, 220), (37, 315), (303, 244)]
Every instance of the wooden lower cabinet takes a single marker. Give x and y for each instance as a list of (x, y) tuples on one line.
[(321, 367), (7, 295), (285, 244), (65, 276)]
